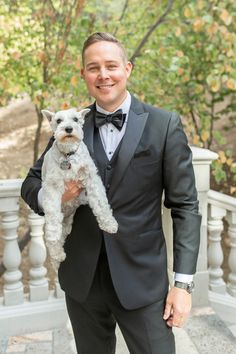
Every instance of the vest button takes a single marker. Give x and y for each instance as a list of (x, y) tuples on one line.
[(108, 167), (108, 186)]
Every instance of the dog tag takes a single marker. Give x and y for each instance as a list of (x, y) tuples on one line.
[(65, 165)]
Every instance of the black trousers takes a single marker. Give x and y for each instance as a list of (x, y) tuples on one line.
[(94, 321)]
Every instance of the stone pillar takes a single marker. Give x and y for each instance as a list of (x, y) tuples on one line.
[(38, 283), (215, 251), (9, 207), (231, 218), (202, 159)]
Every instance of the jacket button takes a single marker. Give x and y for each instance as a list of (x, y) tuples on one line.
[(108, 167), (108, 186)]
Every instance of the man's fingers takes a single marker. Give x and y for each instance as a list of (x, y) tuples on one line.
[(71, 191), (167, 311), (75, 190), (178, 319), (178, 306), (70, 184)]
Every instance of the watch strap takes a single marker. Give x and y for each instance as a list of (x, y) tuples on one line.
[(189, 287)]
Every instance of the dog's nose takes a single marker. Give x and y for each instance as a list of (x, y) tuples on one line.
[(68, 130)]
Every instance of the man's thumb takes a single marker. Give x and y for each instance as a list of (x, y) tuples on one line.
[(167, 311)]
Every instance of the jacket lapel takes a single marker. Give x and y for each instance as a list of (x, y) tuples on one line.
[(134, 130), (88, 129)]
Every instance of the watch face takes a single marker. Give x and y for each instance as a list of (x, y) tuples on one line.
[(190, 287)]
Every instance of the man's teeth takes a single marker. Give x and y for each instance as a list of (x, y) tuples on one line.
[(101, 86)]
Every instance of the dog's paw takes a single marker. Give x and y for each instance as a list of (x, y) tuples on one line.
[(111, 228), (56, 251)]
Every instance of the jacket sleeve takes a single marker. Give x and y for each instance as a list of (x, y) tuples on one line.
[(32, 183), (181, 197)]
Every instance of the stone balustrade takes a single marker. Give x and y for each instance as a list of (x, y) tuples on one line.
[(39, 308), (222, 292)]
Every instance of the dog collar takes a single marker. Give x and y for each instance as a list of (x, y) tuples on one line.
[(66, 164)]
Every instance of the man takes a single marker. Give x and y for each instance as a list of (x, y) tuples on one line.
[(123, 278)]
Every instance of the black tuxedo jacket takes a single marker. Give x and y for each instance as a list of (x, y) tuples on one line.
[(154, 157)]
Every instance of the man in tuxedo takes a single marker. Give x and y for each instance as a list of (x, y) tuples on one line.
[(140, 151)]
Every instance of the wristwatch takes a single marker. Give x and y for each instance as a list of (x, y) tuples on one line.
[(189, 287)]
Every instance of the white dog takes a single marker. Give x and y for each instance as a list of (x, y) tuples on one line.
[(68, 159)]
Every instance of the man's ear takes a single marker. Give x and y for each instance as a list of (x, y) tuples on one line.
[(128, 68), (82, 73), (47, 114)]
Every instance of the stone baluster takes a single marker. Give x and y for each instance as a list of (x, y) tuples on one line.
[(38, 283), (202, 159), (215, 252), (231, 286), (13, 287)]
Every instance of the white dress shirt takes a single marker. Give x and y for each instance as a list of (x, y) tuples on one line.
[(111, 137), (109, 134)]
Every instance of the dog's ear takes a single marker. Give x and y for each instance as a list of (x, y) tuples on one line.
[(47, 114), (84, 112), (81, 114)]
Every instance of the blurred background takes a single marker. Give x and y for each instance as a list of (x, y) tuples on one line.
[(184, 55)]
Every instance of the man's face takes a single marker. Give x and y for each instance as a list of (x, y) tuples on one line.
[(105, 73)]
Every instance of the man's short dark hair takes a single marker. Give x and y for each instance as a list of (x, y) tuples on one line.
[(103, 37)]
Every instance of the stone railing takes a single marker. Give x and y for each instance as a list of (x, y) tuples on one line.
[(222, 292), (41, 309)]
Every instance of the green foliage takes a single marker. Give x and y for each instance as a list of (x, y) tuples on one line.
[(186, 64), (224, 172), (189, 66), (37, 56)]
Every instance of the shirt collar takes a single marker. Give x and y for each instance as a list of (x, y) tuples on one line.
[(125, 106)]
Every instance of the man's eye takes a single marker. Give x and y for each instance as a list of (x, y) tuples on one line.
[(75, 119), (112, 67), (58, 121), (92, 68)]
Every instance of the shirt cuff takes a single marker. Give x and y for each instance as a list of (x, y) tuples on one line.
[(40, 199), (184, 278)]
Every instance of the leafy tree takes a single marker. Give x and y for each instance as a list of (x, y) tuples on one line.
[(184, 55), (190, 66), (34, 49)]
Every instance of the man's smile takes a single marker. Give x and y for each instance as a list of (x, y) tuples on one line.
[(104, 86)]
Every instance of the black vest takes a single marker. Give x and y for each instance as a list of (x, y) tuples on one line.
[(105, 167)]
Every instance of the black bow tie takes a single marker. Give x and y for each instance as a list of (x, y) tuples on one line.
[(117, 119)]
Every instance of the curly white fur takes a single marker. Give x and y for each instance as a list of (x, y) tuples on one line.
[(69, 149)]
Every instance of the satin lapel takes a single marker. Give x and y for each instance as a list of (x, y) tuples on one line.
[(133, 133), (88, 129)]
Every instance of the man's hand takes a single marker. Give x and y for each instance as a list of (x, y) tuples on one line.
[(71, 191), (178, 307)]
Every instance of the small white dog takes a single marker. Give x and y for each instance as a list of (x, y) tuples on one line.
[(68, 159)]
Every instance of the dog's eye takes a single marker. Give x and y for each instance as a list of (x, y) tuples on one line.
[(58, 121), (75, 119)]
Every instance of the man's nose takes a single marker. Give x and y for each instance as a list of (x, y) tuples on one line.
[(103, 73)]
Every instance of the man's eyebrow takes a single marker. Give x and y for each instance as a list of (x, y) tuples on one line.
[(92, 63), (106, 61)]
